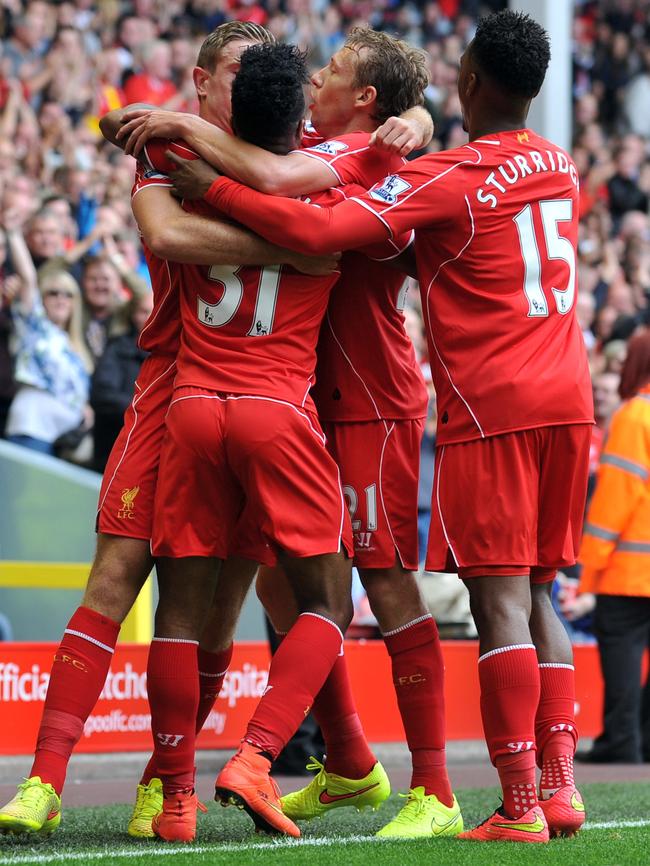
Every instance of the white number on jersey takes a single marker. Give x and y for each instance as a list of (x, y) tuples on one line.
[(371, 506), (553, 212), (219, 314)]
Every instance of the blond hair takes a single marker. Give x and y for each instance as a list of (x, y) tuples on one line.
[(49, 278), (396, 70), (215, 42)]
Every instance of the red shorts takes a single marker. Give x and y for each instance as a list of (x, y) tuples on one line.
[(510, 504), (380, 465), (258, 462), (127, 492)]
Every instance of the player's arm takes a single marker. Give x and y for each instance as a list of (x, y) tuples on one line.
[(292, 174), (111, 122), (289, 175), (172, 233), (411, 131), (296, 224)]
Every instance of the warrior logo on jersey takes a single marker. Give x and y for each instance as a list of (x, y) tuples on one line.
[(330, 147), (391, 188)]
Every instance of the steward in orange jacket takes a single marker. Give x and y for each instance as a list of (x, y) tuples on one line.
[(615, 555), (615, 551)]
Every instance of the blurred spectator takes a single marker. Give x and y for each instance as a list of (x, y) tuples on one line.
[(615, 556), (112, 383), (105, 311), (154, 84), (52, 364), (9, 284)]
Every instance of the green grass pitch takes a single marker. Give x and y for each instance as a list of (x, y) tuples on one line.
[(618, 832)]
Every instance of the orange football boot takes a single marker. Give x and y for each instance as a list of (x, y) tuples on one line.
[(177, 821), (245, 782), (530, 827), (564, 811)]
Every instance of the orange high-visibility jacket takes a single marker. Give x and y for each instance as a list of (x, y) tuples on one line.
[(615, 551)]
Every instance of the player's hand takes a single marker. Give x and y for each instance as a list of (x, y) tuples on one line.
[(193, 177), (397, 135), (315, 266), (141, 124)]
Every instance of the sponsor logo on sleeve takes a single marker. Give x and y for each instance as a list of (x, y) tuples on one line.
[(330, 147), (390, 189), (154, 174)]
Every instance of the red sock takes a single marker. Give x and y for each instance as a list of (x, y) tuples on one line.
[(509, 678), (348, 753), (418, 677), (173, 687), (78, 674), (212, 670), (555, 727), (298, 670)]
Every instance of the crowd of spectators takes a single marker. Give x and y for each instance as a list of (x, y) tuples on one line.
[(74, 289)]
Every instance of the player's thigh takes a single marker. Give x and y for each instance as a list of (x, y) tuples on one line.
[(564, 472), (278, 453), (126, 496), (485, 505), (197, 498), (379, 463)]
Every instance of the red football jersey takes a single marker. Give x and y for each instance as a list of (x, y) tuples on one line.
[(161, 333), (496, 228), (350, 158), (366, 364)]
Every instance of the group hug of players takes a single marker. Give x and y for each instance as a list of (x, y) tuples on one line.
[(277, 419)]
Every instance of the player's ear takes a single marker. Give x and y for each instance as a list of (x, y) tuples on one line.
[(367, 96), (200, 77), (300, 131)]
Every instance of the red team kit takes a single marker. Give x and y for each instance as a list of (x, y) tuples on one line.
[(245, 468), (508, 359)]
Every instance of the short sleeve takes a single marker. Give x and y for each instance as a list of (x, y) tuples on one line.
[(352, 160)]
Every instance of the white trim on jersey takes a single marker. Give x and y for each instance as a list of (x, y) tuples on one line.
[(353, 368), (134, 404), (431, 180), (398, 251), (374, 213), (442, 519), (320, 159), (430, 329)]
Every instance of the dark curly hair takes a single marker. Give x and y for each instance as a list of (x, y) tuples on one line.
[(513, 50), (268, 100)]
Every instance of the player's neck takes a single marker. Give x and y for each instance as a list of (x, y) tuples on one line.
[(493, 127), (361, 123)]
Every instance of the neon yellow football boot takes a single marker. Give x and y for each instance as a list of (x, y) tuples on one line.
[(327, 791), (36, 808), (148, 803), (423, 816)]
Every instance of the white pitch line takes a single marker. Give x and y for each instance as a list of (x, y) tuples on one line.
[(320, 842)]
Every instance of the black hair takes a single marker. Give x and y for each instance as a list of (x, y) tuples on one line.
[(513, 50), (268, 101)]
